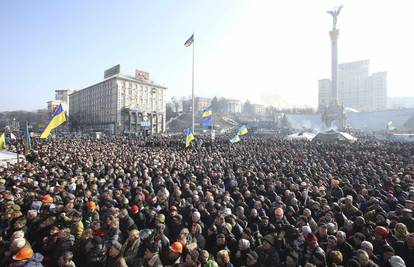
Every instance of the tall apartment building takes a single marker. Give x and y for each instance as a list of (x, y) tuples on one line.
[(120, 104), (357, 89), (324, 95), (379, 90)]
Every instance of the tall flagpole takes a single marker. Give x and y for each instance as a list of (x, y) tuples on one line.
[(193, 86), (212, 124)]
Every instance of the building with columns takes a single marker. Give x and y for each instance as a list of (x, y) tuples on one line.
[(120, 104), (233, 106)]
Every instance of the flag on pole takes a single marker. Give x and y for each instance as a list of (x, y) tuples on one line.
[(26, 140), (242, 130), (207, 112), (2, 141), (188, 137), (190, 41), (57, 119), (235, 139), (207, 122), (207, 116)]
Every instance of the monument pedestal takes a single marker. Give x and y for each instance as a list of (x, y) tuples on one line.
[(334, 116)]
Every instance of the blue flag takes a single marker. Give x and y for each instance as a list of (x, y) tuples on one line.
[(26, 140), (207, 121)]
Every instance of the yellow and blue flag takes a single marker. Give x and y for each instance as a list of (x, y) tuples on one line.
[(26, 140), (207, 112), (242, 130), (188, 137), (2, 141), (57, 119), (190, 41), (207, 116), (235, 139)]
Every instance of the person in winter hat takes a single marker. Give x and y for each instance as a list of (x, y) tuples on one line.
[(380, 240), (115, 259), (396, 261), (268, 256), (151, 256), (313, 253), (241, 254)]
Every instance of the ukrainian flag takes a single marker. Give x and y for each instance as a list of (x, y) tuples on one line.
[(188, 137), (207, 112), (235, 139), (57, 119), (190, 41), (242, 130), (3, 141)]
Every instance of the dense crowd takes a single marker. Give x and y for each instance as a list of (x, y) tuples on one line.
[(262, 202)]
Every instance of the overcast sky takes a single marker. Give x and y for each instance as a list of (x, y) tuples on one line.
[(244, 49)]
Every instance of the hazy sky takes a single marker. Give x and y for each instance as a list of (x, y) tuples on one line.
[(244, 48)]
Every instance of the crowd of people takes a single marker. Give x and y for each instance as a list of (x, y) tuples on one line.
[(262, 202)]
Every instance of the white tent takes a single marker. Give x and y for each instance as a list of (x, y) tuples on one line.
[(6, 156), (302, 136), (333, 136)]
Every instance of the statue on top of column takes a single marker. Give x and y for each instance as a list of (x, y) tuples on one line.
[(335, 13)]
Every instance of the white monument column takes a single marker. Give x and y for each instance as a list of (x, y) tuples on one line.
[(334, 64), (334, 34)]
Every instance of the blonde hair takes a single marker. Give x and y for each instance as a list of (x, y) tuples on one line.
[(336, 256), (114, 222), (402, 226), (224, 256), (198, 229)]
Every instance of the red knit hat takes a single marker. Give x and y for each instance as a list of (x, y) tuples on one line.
[(134, 209), (382, 231), (311, 238), (173, 208)]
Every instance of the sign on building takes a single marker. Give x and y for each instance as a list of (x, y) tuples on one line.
[(145, 123), (112, 71), (140, 74)]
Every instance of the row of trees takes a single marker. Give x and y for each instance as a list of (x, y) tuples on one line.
[(36, 119)]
